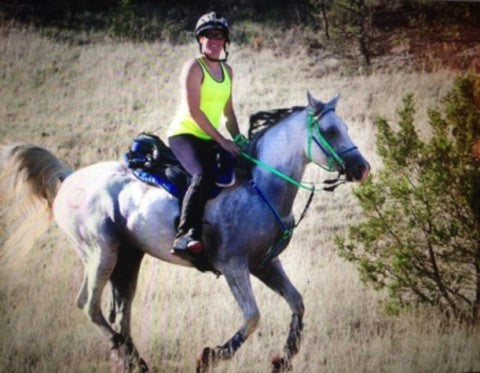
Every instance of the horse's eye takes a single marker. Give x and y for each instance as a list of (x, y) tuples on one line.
[(331, 132)]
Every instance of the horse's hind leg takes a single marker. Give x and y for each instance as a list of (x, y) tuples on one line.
[(275, 277), (124, 282), (99, 264), (239, 281)]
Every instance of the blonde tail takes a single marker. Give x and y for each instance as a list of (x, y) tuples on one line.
[(30, 177)]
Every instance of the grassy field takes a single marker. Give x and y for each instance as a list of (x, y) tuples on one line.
[(86, 103)]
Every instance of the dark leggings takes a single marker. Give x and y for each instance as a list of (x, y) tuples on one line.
[(199, 159), (196, 155)]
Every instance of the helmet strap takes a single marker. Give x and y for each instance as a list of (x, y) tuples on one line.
[(215, 60)]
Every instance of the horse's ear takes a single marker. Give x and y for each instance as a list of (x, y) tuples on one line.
[(314, 104), (333, 101), (311, 100)]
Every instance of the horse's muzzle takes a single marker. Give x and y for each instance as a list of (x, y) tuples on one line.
[(356, 168)]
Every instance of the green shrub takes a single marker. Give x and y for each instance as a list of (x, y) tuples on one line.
[(420, 238)]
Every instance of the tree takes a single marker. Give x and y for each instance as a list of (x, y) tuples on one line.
[(420, 238), (353, 19), (318, 12)]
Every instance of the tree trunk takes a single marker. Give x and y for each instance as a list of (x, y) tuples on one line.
[(325, 19)]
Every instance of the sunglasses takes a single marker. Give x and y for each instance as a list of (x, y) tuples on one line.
[(214, 35)]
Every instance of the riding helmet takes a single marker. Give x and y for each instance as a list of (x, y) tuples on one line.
[(212, 21)]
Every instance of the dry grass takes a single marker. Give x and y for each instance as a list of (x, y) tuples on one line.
[(86, 103)]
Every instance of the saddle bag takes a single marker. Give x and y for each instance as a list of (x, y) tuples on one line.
[(148, 151), (153, 162)]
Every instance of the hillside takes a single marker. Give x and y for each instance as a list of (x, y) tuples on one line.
[(348, 34)]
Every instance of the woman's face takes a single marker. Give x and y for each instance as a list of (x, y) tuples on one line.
[(212, 43)]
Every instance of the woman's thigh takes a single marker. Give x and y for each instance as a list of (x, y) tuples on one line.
[(196, 155)]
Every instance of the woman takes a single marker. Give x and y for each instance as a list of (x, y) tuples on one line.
[(206, 84)]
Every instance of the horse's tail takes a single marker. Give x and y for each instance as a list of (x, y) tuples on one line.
[(30, 177)]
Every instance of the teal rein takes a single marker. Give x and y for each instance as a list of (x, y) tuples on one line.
[(279, 173)]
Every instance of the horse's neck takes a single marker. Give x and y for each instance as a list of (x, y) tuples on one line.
[(282, 148)]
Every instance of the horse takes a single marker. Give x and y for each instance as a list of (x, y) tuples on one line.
[(113, 220)]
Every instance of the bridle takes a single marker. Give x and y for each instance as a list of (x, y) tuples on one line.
[(315, 136)]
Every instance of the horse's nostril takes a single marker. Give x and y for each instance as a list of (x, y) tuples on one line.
[(365, 170), (358, 172)]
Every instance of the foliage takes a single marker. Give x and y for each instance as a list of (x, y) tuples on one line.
[(352, 19), (129, 21), (420, 239), (356, 30)]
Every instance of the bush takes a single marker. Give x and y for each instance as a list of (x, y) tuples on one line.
[(420, 239)]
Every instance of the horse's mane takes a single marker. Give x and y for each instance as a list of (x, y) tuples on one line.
[(260, 122), (263, 120)]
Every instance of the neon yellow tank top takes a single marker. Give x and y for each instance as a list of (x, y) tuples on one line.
[(214, 95)]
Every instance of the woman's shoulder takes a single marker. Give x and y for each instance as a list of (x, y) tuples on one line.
[(191, 64), (191, 67)]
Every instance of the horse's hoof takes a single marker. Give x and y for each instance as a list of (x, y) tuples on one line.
[(205, 360), (143, 366), (280, 364)]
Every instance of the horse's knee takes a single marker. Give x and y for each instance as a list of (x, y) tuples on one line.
[(300, 307), (255, 319), (296, 303), (252, 322)]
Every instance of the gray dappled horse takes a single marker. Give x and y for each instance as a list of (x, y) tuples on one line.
[(113, 219)]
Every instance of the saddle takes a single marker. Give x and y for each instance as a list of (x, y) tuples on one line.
[(154, 163)]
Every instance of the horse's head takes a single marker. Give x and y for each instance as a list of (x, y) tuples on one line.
[(329, 144)]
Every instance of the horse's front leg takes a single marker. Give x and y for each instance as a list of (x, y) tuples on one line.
[(238, 279), (275, 277)]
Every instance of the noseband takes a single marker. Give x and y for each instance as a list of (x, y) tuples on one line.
[(315, 136)]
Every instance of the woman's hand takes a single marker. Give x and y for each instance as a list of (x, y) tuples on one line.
[(230, 147)]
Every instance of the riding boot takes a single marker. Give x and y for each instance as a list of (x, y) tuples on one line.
[(189, 233)]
